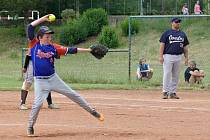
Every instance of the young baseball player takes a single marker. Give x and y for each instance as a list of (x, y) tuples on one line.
[(193, 74), (143, 72), (43, 54), (28, 80), (173, 43)]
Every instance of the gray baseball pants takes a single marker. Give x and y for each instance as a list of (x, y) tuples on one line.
[(171, 69), (44, 86)]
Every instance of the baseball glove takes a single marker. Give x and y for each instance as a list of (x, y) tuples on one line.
[(98, 51)]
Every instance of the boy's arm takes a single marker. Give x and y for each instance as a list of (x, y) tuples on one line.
[(40, 20), (32, 25), (196, 73)]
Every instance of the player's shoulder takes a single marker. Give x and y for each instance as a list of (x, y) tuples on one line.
[(56, 45), (187, 69), (33, 42)]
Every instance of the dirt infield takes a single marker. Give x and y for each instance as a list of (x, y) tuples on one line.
[(129, 115)]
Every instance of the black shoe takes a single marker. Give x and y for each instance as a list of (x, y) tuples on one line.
[(165, 95), (99, 116), (174, 96), (30, 131)]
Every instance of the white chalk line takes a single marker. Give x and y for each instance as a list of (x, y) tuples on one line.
[(166, 108), (144, 100)]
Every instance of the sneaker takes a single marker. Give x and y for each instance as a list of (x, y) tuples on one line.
[(174, 96), (30, 132), (98, 115), (23, 107), (53, 106), (165, 95)]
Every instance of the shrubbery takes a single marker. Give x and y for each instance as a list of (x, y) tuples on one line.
[(67, 15), (73, 33), (134, 27), (109, 37), (89, 24), (96, 19)]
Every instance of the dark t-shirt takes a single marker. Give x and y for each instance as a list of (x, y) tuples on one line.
[(187, 73), (175, 41)]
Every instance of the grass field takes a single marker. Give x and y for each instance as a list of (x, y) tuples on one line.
[(83, 71)]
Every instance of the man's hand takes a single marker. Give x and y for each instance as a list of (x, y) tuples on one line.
[(161, 60), (24, 70)]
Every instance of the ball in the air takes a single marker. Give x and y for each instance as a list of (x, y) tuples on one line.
[(51, 18)]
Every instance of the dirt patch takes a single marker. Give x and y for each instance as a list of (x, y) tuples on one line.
[(129, 115)]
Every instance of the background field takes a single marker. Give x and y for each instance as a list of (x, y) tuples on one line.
[(83, 71)]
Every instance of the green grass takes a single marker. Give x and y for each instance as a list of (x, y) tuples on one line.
[(83, 71)]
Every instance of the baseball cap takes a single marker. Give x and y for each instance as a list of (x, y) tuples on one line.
[(177, 20), (44, 30)]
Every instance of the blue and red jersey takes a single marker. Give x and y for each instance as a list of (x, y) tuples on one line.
[(43, 56)]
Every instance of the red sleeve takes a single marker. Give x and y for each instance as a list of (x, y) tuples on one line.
[(32, 43), (60, 49)]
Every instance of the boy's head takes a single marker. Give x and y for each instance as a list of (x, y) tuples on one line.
[(44, 34), (192, 64), (142, 61)]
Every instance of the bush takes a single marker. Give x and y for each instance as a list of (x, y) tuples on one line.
[(95, 19), (73, 33), (134, 27), (68, 15), (109, 38)]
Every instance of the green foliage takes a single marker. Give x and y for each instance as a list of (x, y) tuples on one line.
[(95, 20), (73, 33), (108, 37), (90, 24), (134, 27), (68, 15)]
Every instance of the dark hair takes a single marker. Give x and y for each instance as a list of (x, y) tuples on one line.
[(39, 34), (193, 62)]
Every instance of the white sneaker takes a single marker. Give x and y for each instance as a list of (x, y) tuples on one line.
[(53, 106), (23, 107)]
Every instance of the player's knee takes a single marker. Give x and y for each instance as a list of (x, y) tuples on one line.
[(196, 71), (202, 71), (26, 86)]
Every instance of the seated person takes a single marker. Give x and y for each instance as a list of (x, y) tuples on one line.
[(192, 74), (143, 70)]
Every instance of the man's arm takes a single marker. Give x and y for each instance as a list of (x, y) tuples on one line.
[(162, 46), (186, 55)]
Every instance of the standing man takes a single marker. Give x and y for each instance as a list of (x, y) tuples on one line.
[(173, 43), (43, 54)]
